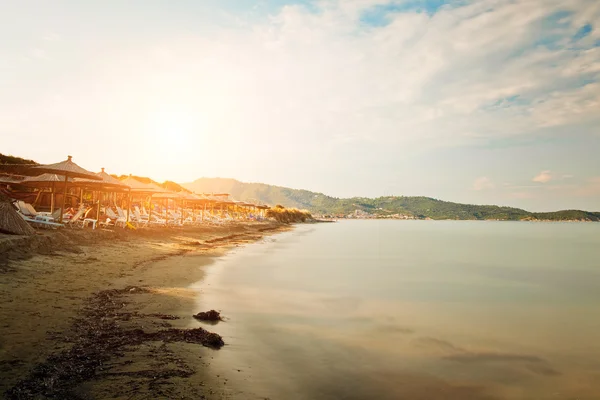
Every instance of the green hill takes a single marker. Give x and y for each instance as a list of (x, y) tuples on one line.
[(319, 203), (8, 159), (417, 207)]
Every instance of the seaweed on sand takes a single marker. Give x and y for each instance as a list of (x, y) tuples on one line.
[(97, 336), (211, 315)]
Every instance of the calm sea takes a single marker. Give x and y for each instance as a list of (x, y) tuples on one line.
[(411, 310)]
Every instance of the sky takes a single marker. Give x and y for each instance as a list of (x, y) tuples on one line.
[(485, 102)]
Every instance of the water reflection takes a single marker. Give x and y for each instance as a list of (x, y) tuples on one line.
[(367, 309)]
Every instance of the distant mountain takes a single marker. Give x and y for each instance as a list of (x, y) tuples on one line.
[(417, 207), (319, 203)]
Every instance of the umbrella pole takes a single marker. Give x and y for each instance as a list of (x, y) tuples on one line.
[(100, 194), (181, 212), (52, 199), (150, 212), (128, 205), (37, 197), (62, 210)]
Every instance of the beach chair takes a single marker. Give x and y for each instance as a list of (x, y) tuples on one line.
[(175, 219), (114, 218), (87, 221), (139, 219), (121, 212), (26, 209), (110, 213), (154, 220), (142, 212), (41, 222), (122, 218), (107, 223), (76, 219), (56, 213)]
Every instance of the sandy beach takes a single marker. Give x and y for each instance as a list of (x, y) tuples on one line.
[(108, 313)]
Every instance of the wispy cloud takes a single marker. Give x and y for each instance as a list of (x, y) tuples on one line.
[(547, 176), (543, 177), (483, 183)]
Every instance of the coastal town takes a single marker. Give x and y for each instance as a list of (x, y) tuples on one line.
[(361, 214)]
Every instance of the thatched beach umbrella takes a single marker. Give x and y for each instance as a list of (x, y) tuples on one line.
[(106, 184), (45, 180), (11, 222), (137, 187), (10, 179), (168, 195), (68, 169), (112, 181)]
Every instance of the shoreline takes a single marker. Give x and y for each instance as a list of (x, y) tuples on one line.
[(95, 296)]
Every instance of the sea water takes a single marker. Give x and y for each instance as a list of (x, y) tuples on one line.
[(410, 310)]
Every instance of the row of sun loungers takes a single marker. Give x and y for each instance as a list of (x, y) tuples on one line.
[(138, 218)]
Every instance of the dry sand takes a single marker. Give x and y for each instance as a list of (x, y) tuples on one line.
[(107, 314)]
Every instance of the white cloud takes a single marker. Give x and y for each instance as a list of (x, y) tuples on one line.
[(543, 177), (547, 176), (440, 79), (483, 183), (323, 80)]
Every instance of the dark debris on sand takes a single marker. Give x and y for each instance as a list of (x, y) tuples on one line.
[(211, 315), (96, 336)]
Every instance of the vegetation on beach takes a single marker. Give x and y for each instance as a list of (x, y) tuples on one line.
[(288, 215), (7, 159)]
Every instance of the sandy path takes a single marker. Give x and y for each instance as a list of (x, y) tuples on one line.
[(46, 298)]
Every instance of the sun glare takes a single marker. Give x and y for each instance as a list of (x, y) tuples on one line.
[(175, 129)]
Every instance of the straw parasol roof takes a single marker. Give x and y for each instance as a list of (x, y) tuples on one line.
[(106, 182), (67, 168), (194, 197), (44, 180), (140, 187), (11, 222), (162, 190), (111, 180), (70, 170), (10, 178), (168, 195)]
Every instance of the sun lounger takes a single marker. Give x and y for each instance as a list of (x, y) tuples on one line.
[(24, 210), (76, 219), (105, 224), (121, 219), (88, 221), (139, 220), (154, 220), (41, 222), (142, 212), (110, 213), (56, 213)]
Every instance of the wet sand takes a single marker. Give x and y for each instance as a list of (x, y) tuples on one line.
[(108, 314)]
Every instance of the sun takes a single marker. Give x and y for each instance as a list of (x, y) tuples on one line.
[(173, 133)]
